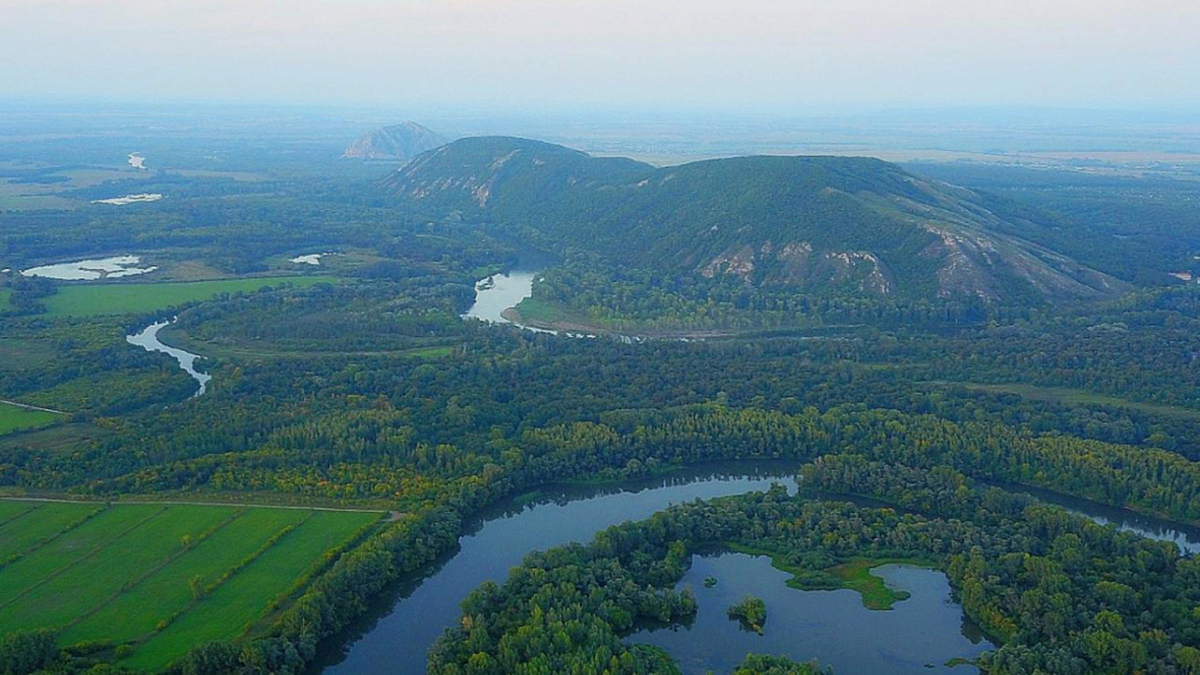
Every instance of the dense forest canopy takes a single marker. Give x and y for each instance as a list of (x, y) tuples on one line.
[(1062, 362)]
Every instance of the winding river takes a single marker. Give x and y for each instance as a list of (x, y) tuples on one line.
[(1187, 538), (147, 339), (397, 639), (919, 634), (500, 292)]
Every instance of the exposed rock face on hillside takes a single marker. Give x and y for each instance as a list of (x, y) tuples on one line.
[(401, 142), (837, 225)]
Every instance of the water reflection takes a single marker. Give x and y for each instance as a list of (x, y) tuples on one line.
[(398, 638), (1187, 538)]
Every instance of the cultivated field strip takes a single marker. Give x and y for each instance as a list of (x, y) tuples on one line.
[(169, 591), (232, 607), (10, 510), (42, 565), (159, 578), (38, 525), (118, 565)]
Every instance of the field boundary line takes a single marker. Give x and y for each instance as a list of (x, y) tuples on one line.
[(33, 407), (336, 509), (228, 574), (20, 515), (130, 586), (87, 556), (37, 546), (313, 573)]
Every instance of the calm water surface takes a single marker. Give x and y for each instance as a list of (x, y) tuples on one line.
[(147, 339), (918, 635), (1187, 538), (499, 292), (113, 267), (399, 641)]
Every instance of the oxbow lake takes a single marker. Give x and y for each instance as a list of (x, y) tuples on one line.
[(398, 638), (93, 269), (919, 634)]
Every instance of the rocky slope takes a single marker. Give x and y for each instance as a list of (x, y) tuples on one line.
[(401, 142), (836, 224)]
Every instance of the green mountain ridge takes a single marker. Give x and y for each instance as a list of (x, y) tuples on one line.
[(837, 225)]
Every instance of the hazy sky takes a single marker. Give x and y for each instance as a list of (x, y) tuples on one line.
[(761, 55)]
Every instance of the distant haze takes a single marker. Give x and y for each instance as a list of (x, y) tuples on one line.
[(710, 55)]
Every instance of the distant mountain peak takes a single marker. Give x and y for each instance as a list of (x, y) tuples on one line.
[(400, 142)]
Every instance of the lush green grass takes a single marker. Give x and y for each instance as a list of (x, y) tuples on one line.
[(76, 546), (138, 612), (1081, 397), (40, 522), (232, 607), (122, 562), (159, 578), (12, 509), (854, 575), (530, 309), (15, 418), (131, 298)]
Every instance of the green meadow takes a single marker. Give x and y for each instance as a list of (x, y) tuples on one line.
[(18, 418), (156, 579), (134, 298)]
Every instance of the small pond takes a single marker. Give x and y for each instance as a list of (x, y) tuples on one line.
[(113, 267), (130, 199), (308, 259)]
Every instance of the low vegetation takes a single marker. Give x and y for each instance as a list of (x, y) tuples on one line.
[(751, 612), (152, 580), (15, 417)]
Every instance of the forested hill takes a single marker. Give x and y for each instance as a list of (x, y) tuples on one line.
[(837, 225)]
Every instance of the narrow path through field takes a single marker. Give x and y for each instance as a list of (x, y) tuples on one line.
[(32, 407), (347, 509)]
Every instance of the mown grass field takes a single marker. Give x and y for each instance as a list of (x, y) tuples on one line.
[(159, 578), (16, 418), (130, 298)]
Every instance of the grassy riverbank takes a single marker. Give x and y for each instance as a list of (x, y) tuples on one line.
[(854, 574)]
